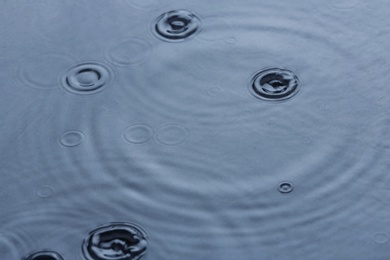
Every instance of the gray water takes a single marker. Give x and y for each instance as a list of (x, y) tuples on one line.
[(194, 130)]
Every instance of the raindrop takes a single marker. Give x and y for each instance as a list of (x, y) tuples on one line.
[(44, 255), (177, 25), (87, 78), (381, 238), (285, 187), (116, 241), (274, 84)]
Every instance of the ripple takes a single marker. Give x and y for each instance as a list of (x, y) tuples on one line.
[(345, 4), (44, 255), (172, 134), (138, 134), (274, 84), (381, 238), (177, 25), (217, 28), (129, 51), (116, 241), (87, 78), (144, 4), (71, 138), (45, 191), (43, 71), (286, 187)]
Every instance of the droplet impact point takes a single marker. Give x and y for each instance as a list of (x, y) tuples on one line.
[(274, 84), (177, 25), (116, 241), (71, 138), (285, 187), (44, 255)]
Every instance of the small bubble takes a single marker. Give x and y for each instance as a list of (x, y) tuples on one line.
[(45, 192), (177, 25), (116, 241), (129, 51), (274, 84), (172, 134), (87, 78), (381, 238), (137, 134), (44, 255), (71, 138), (285, 187)]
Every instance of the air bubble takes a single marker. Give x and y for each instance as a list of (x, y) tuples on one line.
[(286, 187), (177, 25), (274, 84), (44, 255), (87, 78), (71, 138), (116, 241)]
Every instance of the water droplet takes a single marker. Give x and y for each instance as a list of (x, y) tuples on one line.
[(144, 4), (45, 192), (286, 187), (129, 51), (42, 72), (274, 84), (116, 241), (172, 134), (87, 78), (44, 255), (177, 25), (138, 134), (71, 138), (381, 238)]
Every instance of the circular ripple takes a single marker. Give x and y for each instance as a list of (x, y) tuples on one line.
[(345, 4), (44, 255), (87, 78), (123, 241), (274, 84), (129, 51), (286, 187), (42, 72), (45, 192), (143, 4), (171, 135), (381, 238), (177, 25), (137, 134), (71, 138)]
